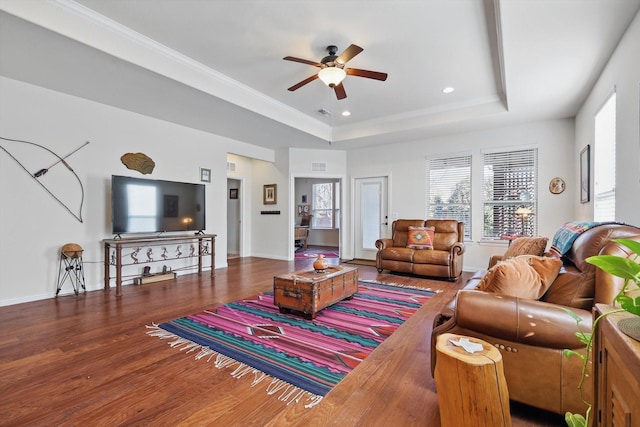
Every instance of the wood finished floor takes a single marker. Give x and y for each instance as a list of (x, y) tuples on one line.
[(86, 361)]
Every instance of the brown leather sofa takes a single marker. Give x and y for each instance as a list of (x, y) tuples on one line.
[(532, 334), (445, 260)]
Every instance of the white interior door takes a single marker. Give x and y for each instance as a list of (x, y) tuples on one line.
[(371, 216)]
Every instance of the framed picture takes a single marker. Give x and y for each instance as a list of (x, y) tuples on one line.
[(584, 175), (205, 175), (233, 193), (304, 198), (269, 194)]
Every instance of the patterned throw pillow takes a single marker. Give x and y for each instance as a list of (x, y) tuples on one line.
[(526, 246), (420, 237)]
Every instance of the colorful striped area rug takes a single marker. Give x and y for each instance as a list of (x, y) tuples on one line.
[(297, 359)]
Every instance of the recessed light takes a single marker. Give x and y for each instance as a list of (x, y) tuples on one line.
[(448, 89), (346, 113)]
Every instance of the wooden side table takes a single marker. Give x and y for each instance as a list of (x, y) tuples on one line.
[(472, 390)]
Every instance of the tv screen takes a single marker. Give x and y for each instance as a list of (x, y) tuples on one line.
[(149, 206)]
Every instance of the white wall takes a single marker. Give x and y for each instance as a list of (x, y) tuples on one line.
[(621, 74), (405, 165), (33, 226), (271, 235)]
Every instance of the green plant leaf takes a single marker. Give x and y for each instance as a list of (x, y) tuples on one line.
[(575, 317), (629, 304), (574, 420), (631, 244), (618, 266), (584, 337), (568, 353)]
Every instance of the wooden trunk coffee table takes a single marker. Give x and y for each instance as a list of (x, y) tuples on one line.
[(309, 292)]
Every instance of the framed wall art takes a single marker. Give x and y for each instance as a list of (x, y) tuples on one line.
[(585, 175), (270, 194), (205, 175), (233, 193)]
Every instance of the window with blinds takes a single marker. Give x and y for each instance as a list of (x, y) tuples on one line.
[(449, 190), (325, 204), (510, 183), (604, 161)]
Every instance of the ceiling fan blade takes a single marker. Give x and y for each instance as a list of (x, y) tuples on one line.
[(304, 82), (366, 73), (348, 54), (340, 92), (303, 61)]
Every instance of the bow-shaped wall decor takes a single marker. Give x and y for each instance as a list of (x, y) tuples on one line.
[(36, 175)]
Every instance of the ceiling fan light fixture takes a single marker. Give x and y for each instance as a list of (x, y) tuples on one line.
[(332, 76)]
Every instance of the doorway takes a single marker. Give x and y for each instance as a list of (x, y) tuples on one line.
[(371, 215), (233, 217), (324, 230)]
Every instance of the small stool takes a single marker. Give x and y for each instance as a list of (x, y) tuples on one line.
[(71, 267), (472, 390)]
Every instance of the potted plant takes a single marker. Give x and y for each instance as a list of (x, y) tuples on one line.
[(629, 270)]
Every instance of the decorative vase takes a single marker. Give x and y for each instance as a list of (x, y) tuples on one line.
[(320, 264)]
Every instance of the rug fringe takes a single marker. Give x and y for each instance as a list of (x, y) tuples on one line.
[(290, 393)]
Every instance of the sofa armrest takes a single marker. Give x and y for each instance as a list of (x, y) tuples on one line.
[(384, 243), (457, 249), (520, 320)]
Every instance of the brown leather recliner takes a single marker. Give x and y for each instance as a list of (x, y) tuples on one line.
[(532, 334), (445, 260)]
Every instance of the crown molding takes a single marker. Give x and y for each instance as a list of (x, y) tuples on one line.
[(77, 22)]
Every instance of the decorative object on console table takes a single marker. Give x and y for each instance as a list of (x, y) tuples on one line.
[(269, 194), (585, 178)]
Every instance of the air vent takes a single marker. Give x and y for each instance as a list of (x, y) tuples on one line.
[(324, 112), (231, 167), (318, 167)]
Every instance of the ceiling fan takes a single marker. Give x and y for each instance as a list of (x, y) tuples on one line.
[(332, 71)]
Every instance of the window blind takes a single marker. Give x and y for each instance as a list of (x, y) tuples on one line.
[(448, 189), (510, 182)]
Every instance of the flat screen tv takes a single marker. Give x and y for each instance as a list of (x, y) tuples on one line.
[(152, 206)]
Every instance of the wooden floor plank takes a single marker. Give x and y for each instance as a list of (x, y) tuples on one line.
[(87, 360)]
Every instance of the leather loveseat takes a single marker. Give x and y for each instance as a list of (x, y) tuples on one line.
[(532, 334), (444, 260)]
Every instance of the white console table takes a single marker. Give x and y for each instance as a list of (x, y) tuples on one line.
[(113, 253)]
